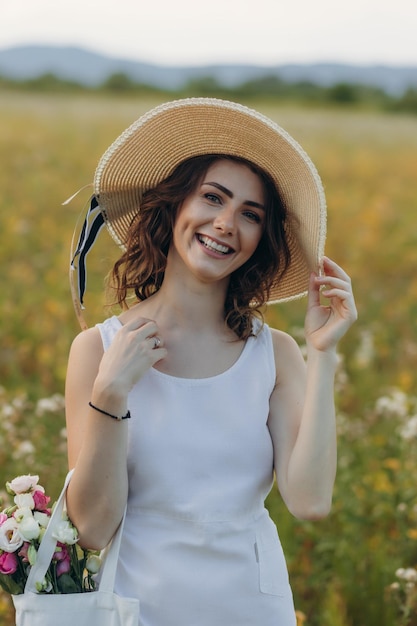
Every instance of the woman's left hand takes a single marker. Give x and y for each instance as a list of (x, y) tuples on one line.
[(325, 324)]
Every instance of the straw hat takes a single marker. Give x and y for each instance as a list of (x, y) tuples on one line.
[(150, 149)]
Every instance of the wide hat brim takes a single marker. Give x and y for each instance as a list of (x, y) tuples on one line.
[(151, 148)]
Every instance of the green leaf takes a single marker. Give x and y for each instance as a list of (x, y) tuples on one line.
[(67, 585), (10, 585)]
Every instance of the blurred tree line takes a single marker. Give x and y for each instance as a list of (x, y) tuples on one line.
[(266, 87)]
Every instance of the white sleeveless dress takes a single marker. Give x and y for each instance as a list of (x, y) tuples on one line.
[(199, 548)]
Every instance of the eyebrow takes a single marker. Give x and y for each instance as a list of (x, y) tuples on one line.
[(229, 193)]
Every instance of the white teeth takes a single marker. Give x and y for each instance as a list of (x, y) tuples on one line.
[(217, 247)]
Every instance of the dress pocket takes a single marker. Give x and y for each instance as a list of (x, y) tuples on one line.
[(273, 573)]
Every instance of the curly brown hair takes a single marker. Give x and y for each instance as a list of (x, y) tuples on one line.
[(141, 267)]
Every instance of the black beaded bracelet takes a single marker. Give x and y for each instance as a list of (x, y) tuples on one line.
[(115, 417)]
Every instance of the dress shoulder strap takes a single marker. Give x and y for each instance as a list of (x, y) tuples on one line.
[(265, 340), (108, 329)]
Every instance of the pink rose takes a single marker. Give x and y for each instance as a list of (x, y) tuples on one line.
[(63, 559), (3, 518), (61, 552), (41, 501), (63, 567), (8, 563), (23, 552)]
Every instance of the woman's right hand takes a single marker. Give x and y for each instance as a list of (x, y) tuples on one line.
[(132, 352)]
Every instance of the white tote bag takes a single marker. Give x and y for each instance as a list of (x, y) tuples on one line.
[(96, 608)]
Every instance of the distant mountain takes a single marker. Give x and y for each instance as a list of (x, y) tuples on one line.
[(91, 69)]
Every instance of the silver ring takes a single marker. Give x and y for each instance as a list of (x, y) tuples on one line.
[(156, 342)]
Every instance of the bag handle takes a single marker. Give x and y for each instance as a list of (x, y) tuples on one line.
[(48, 545)]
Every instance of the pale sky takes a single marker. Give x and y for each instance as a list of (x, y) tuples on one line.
[(199, 32)]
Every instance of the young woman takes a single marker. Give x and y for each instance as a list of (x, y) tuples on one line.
[(218, 211)]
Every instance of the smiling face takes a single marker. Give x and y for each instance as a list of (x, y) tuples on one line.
[(219, 225)]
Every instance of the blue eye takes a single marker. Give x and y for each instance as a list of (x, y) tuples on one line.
[(212, 197), (254, 217)]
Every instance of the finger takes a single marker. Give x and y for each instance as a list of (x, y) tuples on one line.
[(331, 268), (313, 291), (141, 329), (345, 298), (137, 323), (334, 282), (157, 350), (155, 342), (334, 292)]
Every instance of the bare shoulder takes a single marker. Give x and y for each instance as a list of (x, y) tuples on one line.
[(86, 348), (83, 365), (285, 345), (89, 337), (288, 357)]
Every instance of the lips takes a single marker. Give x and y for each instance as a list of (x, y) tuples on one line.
[(210, 244)]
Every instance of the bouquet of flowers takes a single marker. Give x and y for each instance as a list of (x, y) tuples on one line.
[(22, 526)]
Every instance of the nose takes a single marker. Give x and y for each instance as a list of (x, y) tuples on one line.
[(225, 220)]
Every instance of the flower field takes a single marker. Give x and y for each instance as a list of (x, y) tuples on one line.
[(358, 566)]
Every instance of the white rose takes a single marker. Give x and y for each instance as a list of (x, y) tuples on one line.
[(24, 500), (41, 518), (22, 484), (93, 563), (10, 539), (66, 533), (22, 513), (29, 528)]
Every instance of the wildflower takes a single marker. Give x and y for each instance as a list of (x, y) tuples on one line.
[(395, 404), (409, 430), (366, 350), (50, 405), (23, 450), (7, 411), (408, 574)]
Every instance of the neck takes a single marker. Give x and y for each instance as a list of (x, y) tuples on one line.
[(195, 309), (184, 301)]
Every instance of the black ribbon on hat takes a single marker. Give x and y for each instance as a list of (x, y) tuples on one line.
[(93, 223)]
